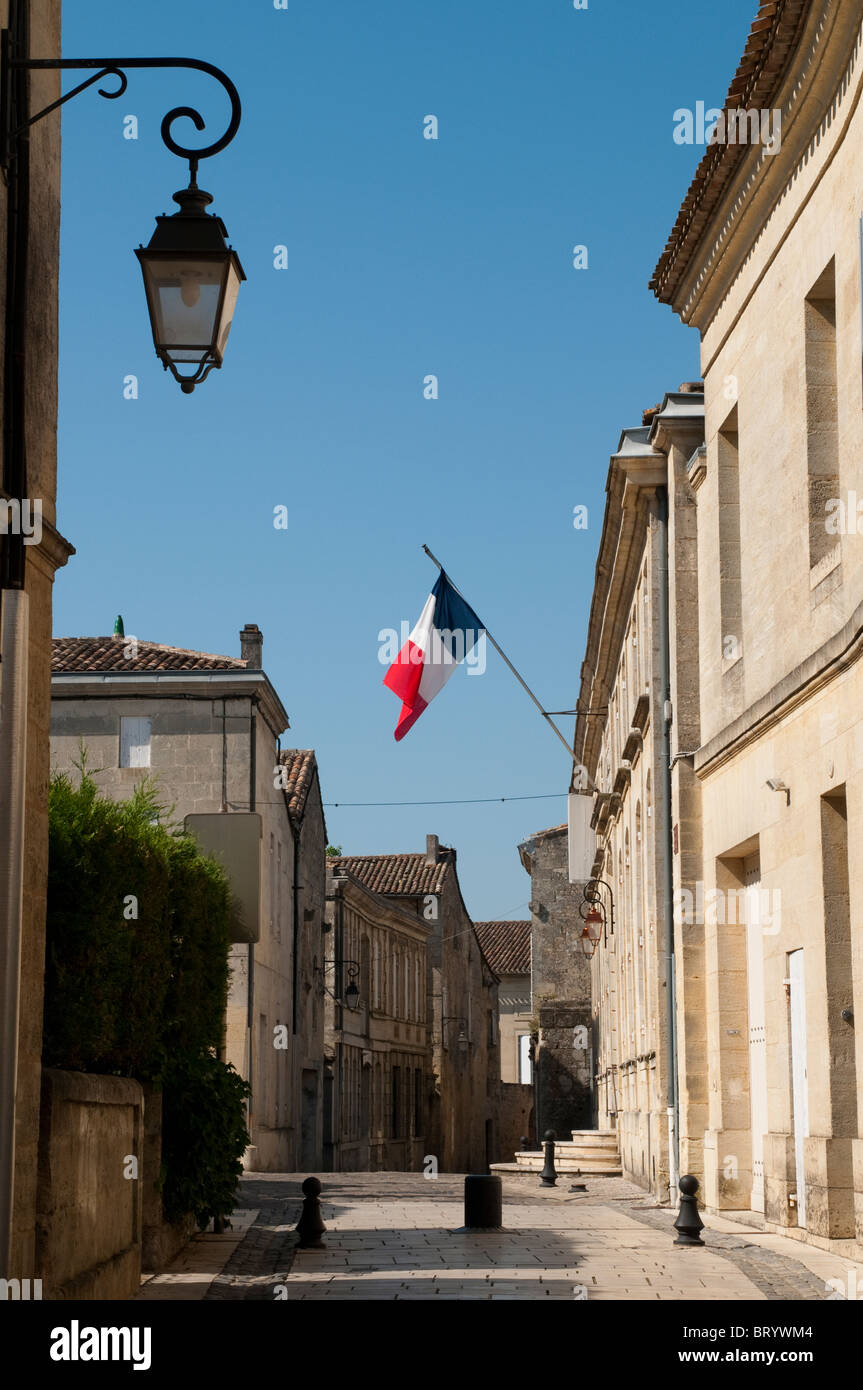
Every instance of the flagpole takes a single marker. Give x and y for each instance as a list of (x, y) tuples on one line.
[(503, 654)]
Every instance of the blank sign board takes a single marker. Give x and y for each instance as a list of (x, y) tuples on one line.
[(582, 839), (234, 839)]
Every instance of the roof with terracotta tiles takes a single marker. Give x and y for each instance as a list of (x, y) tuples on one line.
[(82, 654), (301, 766), (506, 946), (399, 875), (770, 47)]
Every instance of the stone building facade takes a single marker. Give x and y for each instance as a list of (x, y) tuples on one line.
[(463, 1097), (207, 729), (634, 675), (765, 261), (378, 1046), (560, 990), (29, 356)]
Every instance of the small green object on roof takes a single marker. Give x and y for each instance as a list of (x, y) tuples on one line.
[(119, 630)]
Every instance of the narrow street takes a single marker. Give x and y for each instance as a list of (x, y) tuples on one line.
[(395, 1236)]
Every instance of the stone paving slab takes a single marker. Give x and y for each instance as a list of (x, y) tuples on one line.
[(395, 1237), (547, 1251), (189, 1276)]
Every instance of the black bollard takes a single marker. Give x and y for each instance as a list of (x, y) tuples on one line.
[(548, 1175), (310, 1226), (689, 1222), (525, 1144), (483, 1203)]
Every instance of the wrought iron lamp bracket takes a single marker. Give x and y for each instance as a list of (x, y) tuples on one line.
[(592, 898), (114, 67), (351, 970)]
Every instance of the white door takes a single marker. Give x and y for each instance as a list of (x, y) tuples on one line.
[(799, 1081), (757, 1031), (524, 1067)]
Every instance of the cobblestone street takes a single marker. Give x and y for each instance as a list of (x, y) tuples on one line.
[(394, 1236)]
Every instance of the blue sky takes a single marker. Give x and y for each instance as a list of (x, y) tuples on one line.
[(407, 257)]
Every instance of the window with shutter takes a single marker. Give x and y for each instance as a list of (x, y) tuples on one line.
[(134, 742)]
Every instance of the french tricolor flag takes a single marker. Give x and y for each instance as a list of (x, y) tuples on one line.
[(447, 631)]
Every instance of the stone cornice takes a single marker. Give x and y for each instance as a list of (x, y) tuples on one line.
[(375, 909), (143, 685), (696, 469), (53, 550), (771, 47), (680, 422), (818, 98)]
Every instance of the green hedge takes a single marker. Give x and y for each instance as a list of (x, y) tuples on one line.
[(203, 1137), (107, 975), (136, 977)]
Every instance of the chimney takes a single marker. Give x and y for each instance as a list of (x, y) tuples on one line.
[(691, 388), (252, 647), (432, 849)]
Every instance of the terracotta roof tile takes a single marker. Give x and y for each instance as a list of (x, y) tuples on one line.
[(506, 946), (772, 42), (397, 875), (301, 765), (81, 654)]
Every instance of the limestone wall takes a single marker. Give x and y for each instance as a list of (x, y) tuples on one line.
[(89, 1213), (515, 1120)]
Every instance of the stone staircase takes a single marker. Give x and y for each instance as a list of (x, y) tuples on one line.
[(592, 1152)]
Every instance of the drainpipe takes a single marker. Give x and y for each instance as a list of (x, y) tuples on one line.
[(666, 840)]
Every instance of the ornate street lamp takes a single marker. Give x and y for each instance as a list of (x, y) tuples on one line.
[(191, 275), (592, 932), (462, 1041), (350, 968), (592, 911), (192, 278)]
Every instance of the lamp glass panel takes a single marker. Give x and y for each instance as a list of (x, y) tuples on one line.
[(184, 299), (232, 289)]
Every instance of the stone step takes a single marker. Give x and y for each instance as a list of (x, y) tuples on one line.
[(587, 1168), (594, 1138), (570, 1155), (568, 1147), (574, 1151)]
